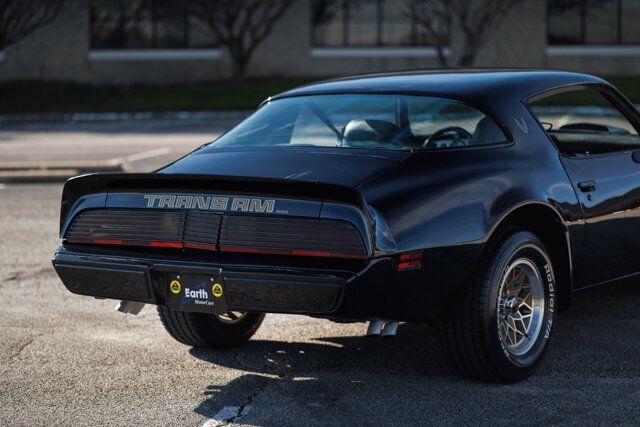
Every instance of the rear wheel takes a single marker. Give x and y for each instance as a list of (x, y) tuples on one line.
[(502, 322), (209, 330)]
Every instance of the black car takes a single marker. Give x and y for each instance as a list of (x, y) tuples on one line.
[(477, 201)]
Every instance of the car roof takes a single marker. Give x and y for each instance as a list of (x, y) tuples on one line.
[(481, 86)]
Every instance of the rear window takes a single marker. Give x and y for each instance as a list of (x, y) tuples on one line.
[(396, 122)]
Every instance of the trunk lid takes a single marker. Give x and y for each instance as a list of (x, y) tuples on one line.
[(340, 166)]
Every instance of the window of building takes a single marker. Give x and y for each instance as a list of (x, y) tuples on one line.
[(147, 24), (593, 22), (365, 23)]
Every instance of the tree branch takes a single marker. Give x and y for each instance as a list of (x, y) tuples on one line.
[(241, 25), (475, 19), (21, 18)]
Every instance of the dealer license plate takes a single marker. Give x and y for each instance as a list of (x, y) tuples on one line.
[(195, 292)]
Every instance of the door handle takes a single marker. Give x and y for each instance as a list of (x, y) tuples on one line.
[(587, 186)]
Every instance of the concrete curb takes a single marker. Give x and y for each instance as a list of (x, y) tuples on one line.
[(29, 172), (28, 177), (126, 116)]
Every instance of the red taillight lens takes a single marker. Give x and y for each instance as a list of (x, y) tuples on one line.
[(202, 246), (210, 247), (410, 260), (166, 245), (107, 241), (272, 251), (153, 244)]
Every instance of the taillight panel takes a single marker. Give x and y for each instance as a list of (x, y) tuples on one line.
[(312, 237)]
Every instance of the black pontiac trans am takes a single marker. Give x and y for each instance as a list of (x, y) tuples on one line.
[(477, 201)]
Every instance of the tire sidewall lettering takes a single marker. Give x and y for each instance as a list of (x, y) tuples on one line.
[(551, 299)]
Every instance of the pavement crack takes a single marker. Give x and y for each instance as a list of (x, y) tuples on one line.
[(245, 405), (22, 348), (243, 409), (20, 275), (233, 414), (229, 415)]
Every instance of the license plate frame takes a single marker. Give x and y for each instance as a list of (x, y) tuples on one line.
[(196, 292)]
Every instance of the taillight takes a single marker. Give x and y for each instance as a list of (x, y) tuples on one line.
[(202, 246), (410, 260), (153, 244), (297, 252), (176, 245), (306, 237), (106, 241)]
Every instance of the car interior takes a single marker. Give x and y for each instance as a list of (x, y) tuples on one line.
[(579, 142), (372, 133), (373, 121), (585, 122)]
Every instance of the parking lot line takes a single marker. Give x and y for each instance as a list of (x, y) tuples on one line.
[(226, 414), (141, 156)]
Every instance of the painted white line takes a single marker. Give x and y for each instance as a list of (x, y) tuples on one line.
[(148, 154), (2, 186), (140, 156), (226, 414)]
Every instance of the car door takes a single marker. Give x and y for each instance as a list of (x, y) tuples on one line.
[(596, 132)]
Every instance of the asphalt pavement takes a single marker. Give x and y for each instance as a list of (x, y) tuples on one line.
[(55, 151), (72, 360)]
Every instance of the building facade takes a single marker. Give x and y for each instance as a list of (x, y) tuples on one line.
[(161, 42)]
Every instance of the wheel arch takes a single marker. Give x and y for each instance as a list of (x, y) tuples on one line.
[(543, 220)]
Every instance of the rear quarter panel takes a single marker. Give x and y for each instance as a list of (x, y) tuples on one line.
[(448, 203)]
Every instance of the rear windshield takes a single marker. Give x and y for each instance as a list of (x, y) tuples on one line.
[(396, 122)]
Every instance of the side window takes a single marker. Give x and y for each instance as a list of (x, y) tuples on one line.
[(584, 122), (457, 124)]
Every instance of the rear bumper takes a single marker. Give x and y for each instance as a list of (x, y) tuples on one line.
[(248, 287), (374, 288)]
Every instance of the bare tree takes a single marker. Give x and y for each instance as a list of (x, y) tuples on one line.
[(435, 18), (323, 12), (112, 23), (474, 18), (241, 25), (20, 18)]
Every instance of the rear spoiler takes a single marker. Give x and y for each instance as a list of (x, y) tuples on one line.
[(84, 185)]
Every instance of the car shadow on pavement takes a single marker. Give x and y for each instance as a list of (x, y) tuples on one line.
[(595, 340), (274, 363), (404, 353)]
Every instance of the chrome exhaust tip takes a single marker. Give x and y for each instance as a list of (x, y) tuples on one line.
[(390, 329), (130, 307), (375, 327), (382, 328)]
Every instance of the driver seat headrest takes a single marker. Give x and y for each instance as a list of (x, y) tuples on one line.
[(486, 132), (361, 133)]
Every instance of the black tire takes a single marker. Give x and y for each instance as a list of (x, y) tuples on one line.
[(206, 330), (473, 338)]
